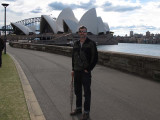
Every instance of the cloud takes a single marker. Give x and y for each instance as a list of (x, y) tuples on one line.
[(107, 4), (58, 5), (11, 0), (132, 27), (61, 6), (149, 27), (14, 12), (135, 27), (88, 5), (141, 29), (37, 10), (119, 8)]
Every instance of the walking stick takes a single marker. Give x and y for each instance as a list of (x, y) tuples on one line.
[(71, 94)]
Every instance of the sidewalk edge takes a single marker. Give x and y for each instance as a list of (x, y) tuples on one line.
[(34, 108)]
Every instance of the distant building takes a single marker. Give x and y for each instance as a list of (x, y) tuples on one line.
[(131, 33), (147, 34), (138, 35), (152, 35), (157, 35)]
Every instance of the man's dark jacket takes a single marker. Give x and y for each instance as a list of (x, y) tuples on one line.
[(84, 58), (1, 45)]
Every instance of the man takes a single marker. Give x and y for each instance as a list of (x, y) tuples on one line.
[(1, 49), (84, 59)]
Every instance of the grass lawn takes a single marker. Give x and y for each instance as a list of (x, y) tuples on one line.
[(12, 101)]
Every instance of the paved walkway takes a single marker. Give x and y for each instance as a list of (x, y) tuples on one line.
[(115, 95), (34, 109)]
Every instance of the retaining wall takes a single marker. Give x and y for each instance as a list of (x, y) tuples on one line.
[(145, 66)]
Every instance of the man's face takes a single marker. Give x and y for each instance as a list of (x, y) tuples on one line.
[(82, 33)]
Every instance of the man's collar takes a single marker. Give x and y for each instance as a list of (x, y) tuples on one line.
[(85, 40)]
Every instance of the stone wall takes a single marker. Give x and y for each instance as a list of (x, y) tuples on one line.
[(145, 66)]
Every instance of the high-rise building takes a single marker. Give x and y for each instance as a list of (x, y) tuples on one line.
[(131, 33), (147, 34)]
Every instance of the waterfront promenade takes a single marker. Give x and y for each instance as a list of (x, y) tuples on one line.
[(115, 95)]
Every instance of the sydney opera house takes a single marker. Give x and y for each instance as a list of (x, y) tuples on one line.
[(66, 27)]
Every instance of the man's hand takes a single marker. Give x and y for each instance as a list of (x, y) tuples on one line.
[(72, 73), (86, 71)]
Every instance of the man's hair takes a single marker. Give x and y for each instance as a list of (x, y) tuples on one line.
[(82, 27)]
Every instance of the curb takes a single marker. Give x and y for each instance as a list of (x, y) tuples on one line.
[(34, 109)]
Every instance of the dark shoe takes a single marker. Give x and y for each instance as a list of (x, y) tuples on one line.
[(76, 112), (85, 116)]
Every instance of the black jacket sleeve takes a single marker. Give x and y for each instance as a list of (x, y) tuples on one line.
[(1, 45), (94, 56)]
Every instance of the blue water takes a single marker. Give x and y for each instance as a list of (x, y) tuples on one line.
[(144, 49)]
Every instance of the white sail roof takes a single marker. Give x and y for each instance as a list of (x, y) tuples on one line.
[(72, 25), (67, 15), (89, 19), (67, 22), (33, 28), (22, 28), (50, 21), (106, 26), (101, 27)]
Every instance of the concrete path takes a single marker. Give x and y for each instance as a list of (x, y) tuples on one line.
[(115, 95), (34, 109)]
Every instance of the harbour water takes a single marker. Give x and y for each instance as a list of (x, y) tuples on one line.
[(144, 49)]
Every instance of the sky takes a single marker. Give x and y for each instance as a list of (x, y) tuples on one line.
[(122, 16)]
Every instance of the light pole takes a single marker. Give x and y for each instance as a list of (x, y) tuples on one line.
[(5, 5)]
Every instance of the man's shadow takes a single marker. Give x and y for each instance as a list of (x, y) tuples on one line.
[(78, 117)]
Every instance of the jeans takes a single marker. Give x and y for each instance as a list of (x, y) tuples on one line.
[(82, 79)]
